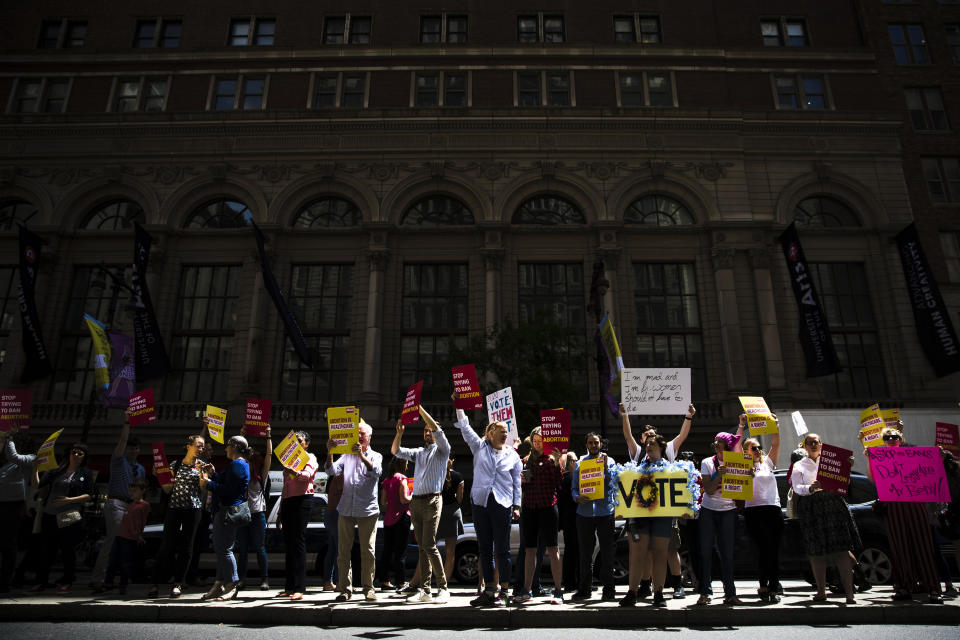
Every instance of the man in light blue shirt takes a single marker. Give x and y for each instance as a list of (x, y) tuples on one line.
[(595, 517), (428, 477), (358, 508)]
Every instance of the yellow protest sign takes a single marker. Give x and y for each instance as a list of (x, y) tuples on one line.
[(215, 418), (591, 481), (759, 417), (654, 495), (291, 454), (737, 482), (343, 424), (46, 458), (891, 418), (871, 426)]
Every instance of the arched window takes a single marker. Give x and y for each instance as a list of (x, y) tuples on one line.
[(436, 211), (12, 211), (658, 211), (548, 209), (114, 216), (824, 211), (220, 214), (328, 212)]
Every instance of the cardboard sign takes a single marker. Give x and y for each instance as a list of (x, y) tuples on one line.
[(871, 426), (215, 418), (591, 481), (343, 426), (737, 482), (759, 417), (256, 418), (500, 409), (655, 391), (948, 437), (672, 500), (141, 408), (160, 467), (555, 430), (467, 387), (291, 454), (411, 404), (909, 474), (799, 425), (46, 458), (834, 471), (15, 407)]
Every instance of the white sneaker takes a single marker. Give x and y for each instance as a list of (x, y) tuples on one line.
[(370, 594), (442, 597), (420, 597)]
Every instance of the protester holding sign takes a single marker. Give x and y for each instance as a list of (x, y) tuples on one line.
[(908, 530), (16, 470), (763, 516), (295, 504), (595, 520), (827, 526), (255, 535)]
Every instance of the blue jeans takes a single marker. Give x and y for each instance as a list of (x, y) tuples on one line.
[(721, 525), (224, 537), (492, 523), (330, 558), (254, 535)]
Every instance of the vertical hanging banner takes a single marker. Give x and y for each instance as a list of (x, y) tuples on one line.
[(46, 458), (215, 418), (411, 404), (467, 387), (834, 470), (291, 454), (160, 467), (737, 482), (591, 481), (15, 407), (934, 328), (759, 417), (611, 349), (290, 324), (500, 409), (101, 352), (256, 418), (948, 437), (343, 426), (150, 355), (141, 408), (871, 426), (123, 377), (818, 349), (37, 362), (555, 430)]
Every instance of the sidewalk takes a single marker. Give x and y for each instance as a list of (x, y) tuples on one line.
[(254, 607)]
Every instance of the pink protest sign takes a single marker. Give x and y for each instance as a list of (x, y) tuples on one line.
[(15, 406), (834, 471), (467, 387), (256, 418), (948, 437), (909, 474), (141, 408), (160, 466), (555, 430), (411, 404)]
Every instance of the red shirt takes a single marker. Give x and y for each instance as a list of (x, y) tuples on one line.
[(131, 527), (541, 490)]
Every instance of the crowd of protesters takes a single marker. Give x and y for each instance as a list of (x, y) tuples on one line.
[(510, 485)]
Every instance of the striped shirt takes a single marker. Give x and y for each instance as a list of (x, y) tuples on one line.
[(430, 471), (359, 498), (495, 471)]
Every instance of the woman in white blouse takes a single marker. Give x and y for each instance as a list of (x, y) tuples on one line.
[(763, 516), (828, 528)]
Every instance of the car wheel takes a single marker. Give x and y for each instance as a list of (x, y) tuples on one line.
[(466, 563), (876, 564)]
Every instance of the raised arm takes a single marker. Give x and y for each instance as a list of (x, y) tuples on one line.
[(395, 446), (268, 454), (740, 427), (632, 446), (469, 435), (774, 442), (121, 447), (684, 428)]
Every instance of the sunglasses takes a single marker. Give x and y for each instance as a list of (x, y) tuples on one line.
[(754, 447), (891, 437), (78, 452), (812, 443)]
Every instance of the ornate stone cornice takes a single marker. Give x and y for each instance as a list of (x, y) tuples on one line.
[(722, 257)]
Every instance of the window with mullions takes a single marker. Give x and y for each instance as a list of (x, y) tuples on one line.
[(548, 209), (658, 211), (40, 95), (440, 89), (73, 377), (824, 211), (139, 94), (943, 179), (328, 212), (114, 216), (220, 214), (450, 29), (626, 29), (950, 243), (13, 212), (8, 307), (340, 89), (252, 31), (544, 89), (846, 300), (437, 211), (669, 333), (909, 43), (952, 31), (434, 308), (540, 27), (347, 29), (645, 89), (779, 32), (926, 109), (157, 33), (321, 294), (62, 34), (242, 92), (801, 92)]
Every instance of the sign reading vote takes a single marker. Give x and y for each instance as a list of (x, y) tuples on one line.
[(909, 474), (467, 388), (500, 409), (555, 430), (655, 391), (672, 497), (834, 470)]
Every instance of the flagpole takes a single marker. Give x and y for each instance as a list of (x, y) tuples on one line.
[(598, 289)]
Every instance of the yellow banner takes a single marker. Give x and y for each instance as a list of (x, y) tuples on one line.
[(343, 424), (591, 481), (737, 482), (871, 427), (46, 458), (291, 454), (666, 491), (216, 417), (759, 417), (101, 351)]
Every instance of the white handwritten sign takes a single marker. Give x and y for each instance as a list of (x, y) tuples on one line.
[(656, 391)]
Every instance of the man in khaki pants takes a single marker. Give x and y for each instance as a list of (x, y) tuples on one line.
[(428, 478), (358, 508)]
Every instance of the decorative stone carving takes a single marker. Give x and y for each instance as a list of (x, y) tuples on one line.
[(383, 171), (602, 170), (326, 169), (275, 173), (712, 171), (437, 168), (722, 257), (492, 170), (548, 168), (493, 258), (610, 255), (378, 259)]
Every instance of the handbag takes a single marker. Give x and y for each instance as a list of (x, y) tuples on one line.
[(68, 518), (238, 515)]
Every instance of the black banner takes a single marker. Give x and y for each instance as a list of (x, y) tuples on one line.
[(818, 349), (150, 357), (289, 320), (937, 337), (37, 363)]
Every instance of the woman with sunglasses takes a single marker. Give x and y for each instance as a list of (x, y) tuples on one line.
[(828, 528), (908, 530), (763, 516)]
